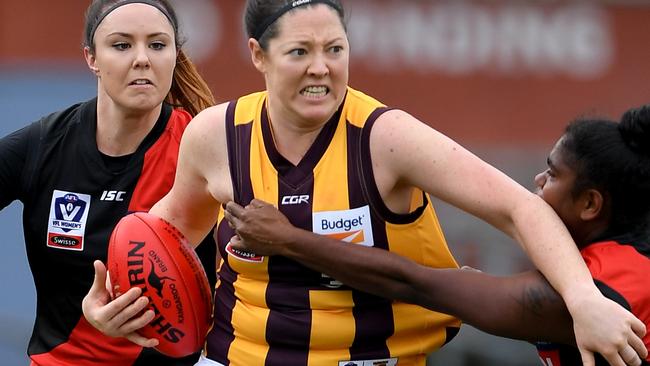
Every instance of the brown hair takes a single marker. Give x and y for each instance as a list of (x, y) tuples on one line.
[(188, 91)]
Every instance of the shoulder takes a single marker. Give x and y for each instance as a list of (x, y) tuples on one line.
[(610, 257), (397, 128), (56, 125), (205, 135), (74, 114), (209, 120)]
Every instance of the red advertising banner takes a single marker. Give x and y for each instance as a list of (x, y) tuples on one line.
[(483, 72)]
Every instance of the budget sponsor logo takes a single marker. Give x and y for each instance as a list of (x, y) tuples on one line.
[(352, 226)]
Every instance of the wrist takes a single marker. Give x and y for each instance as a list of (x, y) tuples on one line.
[(291, 245), (577, 296)]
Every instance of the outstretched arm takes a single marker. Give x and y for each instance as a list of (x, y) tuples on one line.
[(521, 307), (407, 153)]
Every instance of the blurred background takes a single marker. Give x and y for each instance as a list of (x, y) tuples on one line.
[(500, 77)]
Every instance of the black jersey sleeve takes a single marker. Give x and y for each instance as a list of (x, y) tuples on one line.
[(14, 149)]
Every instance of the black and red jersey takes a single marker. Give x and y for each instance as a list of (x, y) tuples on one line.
[(72, 200), (621, 271)]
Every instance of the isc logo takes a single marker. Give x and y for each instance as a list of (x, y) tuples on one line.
[(295, 200), (113, 196)]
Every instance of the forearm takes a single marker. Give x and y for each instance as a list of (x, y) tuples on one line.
[(521, 307), (551, 248), (369, 269), (195, 221)]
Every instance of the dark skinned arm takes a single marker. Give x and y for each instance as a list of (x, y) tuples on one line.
[(523, 306)]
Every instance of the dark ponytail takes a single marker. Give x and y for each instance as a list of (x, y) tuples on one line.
[(635, 129)]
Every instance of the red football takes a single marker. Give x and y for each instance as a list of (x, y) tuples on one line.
[(149, 252)]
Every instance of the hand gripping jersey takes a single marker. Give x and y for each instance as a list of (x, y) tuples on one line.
[(622, 273), (273, 311), (72, 201)]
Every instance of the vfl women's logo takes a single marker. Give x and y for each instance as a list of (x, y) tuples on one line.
[(67, 221)]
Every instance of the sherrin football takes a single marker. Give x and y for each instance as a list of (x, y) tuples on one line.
[(148, 252)]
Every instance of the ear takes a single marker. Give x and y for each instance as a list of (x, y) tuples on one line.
[(90, 60), (257, 55), (591, 204)]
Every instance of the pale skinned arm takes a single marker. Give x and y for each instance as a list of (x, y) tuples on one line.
[(192, 205), (407, 153), (403, 147)]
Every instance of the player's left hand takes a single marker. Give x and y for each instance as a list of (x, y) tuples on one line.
[(261, 228), (603, 326)]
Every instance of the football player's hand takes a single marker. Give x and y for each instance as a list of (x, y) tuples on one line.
[(118, 316)]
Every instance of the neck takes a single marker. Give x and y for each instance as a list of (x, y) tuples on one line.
[(590, 233), (292, 135), (120, 131)]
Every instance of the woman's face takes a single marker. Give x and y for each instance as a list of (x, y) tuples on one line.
[(306, 64), (135, 56), (555, 186)]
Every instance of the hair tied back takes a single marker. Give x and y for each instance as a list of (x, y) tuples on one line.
[(635, 129)]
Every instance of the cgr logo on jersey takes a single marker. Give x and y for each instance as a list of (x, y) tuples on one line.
[(67, 221), (295, 200)]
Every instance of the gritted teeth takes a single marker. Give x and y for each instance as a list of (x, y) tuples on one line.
[(315, 91), (141, 82)]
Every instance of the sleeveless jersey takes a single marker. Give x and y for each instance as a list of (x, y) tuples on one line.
[(274, 311), (72, 201), (622, 273)]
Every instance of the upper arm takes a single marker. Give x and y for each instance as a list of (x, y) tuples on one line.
[(202, 177), (13, 156), (406, 152)]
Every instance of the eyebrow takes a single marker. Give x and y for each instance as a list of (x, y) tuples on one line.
[(550, 164), (129, 35), (303, 42)]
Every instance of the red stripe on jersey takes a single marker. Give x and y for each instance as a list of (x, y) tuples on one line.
[(87, 346), (625, 270), (159, 166), (550, 358)]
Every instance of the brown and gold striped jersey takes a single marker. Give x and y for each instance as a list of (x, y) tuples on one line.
[(273, 310)]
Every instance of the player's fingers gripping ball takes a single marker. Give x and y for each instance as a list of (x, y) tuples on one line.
[(148, 252)]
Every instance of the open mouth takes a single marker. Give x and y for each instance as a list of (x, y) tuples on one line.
[(315, 91), (141, 82)]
